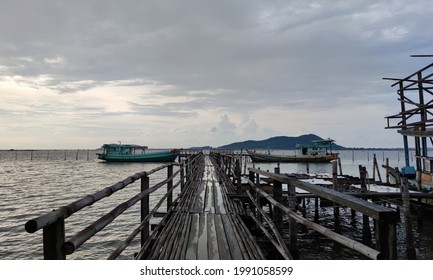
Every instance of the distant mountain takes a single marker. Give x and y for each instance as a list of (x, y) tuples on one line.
[(278, 143)]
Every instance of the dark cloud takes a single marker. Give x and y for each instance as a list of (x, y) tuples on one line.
[(235, 57)]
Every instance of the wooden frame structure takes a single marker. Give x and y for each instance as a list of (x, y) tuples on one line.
[(415, 93)]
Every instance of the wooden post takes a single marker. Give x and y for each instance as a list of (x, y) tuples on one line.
[(182, 178), (187, 169), (293, 225), (376, 168), (387, 170), (386, 239), (278, 196), (365, 219), (339, 165), (410, 248), (238, 174), (169, 186), (144, 209), (316, 209), (31, 155), (53, 238), (335, 186)]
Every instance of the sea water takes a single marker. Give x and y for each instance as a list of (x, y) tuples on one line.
[(33, 183)]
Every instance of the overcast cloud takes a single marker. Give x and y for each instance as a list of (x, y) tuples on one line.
[(77, 74)]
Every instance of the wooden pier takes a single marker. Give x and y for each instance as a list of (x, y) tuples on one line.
[(218, 215)]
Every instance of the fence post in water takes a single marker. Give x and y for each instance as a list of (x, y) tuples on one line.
[(53, 238), (335, 186), (144, 209), (339, 165), (169, 186), (365, 219)]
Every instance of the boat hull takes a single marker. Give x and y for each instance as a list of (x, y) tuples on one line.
[(256, 157), (150, 157)]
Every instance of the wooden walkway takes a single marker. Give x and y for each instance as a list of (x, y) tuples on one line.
[(205, 225)]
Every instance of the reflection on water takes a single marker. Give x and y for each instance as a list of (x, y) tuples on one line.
[(33, 183)]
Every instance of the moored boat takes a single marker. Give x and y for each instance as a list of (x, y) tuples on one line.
[(318, 151), (135, 153)]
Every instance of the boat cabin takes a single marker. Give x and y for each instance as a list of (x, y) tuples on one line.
[(317, 148), (125, 149)]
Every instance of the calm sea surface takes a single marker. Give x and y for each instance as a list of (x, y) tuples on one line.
[(34, 183)]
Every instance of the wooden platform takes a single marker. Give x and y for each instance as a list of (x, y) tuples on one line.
[(205, 225)]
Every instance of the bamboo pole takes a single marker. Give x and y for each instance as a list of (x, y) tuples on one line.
[(77, 240)]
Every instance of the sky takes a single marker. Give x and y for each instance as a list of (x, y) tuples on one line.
[(78, 74)]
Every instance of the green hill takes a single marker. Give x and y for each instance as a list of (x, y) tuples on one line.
[(278, 143)]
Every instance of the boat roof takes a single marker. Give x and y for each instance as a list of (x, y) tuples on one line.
[(317, 143), (126, 146)]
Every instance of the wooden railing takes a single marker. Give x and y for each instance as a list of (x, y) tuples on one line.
[(384, 218), (53, 223)]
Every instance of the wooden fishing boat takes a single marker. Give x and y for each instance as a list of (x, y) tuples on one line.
[(135, 153), (318, 151)]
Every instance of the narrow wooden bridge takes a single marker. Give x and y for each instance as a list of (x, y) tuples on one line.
[(205, 224), (217, 215)]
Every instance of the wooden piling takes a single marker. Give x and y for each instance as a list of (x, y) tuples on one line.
[(365, 219), (278, 196), (293, 225), (387, 170), (410, 248), (376, 168), (339, 165), (169, 186), (144, 210), (335, 186)]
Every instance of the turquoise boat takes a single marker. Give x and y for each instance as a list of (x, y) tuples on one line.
[(318, 151), (135, 153)]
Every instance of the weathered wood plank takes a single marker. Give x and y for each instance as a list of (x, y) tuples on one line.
[(235, 249), (202, 253), (212, 238), (223, 245), (200, 199), (218, 196), (192, 245), (210, 203)]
